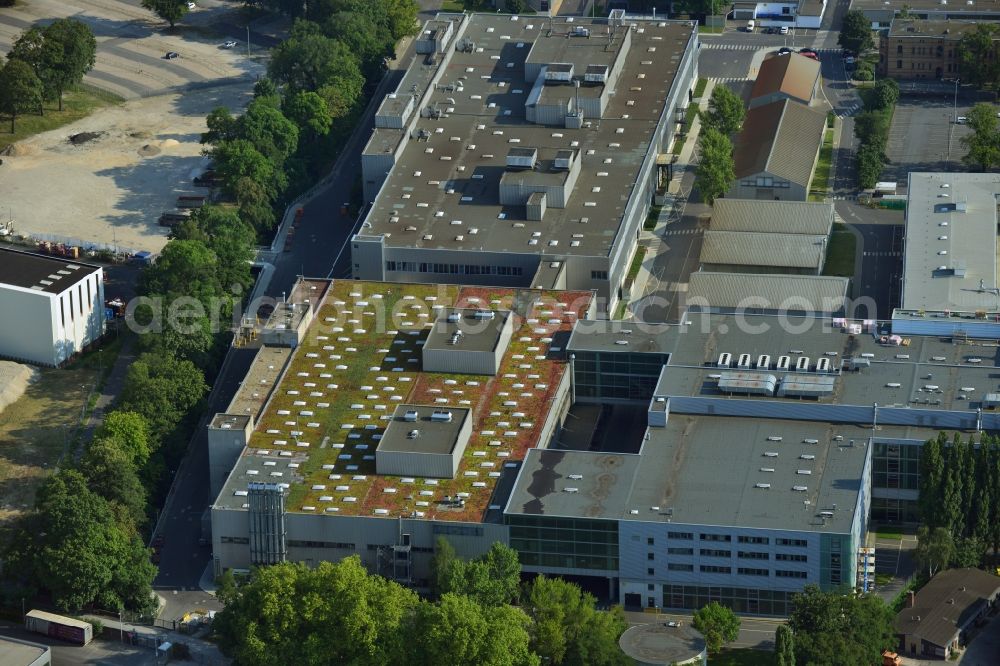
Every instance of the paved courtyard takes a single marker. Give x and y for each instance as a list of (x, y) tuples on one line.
[(922, 128)]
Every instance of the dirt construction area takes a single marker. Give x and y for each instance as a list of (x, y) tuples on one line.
[(126, 163), (110, 186)]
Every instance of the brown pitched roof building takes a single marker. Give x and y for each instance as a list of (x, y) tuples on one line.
[(791, 76), (779, 141), (938, 615)]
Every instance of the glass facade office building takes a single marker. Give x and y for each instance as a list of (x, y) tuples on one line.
[(565, 543), (628, 376)]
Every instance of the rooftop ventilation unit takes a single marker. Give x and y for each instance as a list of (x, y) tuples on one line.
[(575, 477), (767, 469), (564, 159), (454, 318), (783, 362), (770, 454), (725, 359), (763, 486), (826, 514), (823, 364), (559, 72), (807, 456), (485, 315), (763, 362), (800, 489), (521, 158), (411, 416), (571, 490), (596, 74), (441, 416), (413, 434), (802, 364), (774, 438), (744, 361), (804, 471)]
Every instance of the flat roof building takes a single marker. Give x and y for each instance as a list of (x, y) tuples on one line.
[(15, 652), (530, 141), (56, 307), (468, 340), (882, 12), (424, 441), (774, 217), (950, 252)]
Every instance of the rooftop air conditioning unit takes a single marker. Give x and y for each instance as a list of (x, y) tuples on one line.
[(411, 416), (441, 416)]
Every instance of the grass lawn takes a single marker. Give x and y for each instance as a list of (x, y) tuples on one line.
[(882, 579), (840, 252), (692, 113), (820, 185), (42, 426), (699, 88), (633, 269), (76, 104), (709, 30), (888, 533), (452, 6), (652, 217), (742, 657)]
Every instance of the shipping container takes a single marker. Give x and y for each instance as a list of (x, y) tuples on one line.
[(58, 626)]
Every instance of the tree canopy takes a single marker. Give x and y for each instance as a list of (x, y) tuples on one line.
[(73, 546), (840, 630), (718, 624), (784, 646), (492, 579), (20, 90), (170, 11), (856, 32), (976, 62), (163, 390), (983, 143), (129, 431), (725, 111), (716, 169)]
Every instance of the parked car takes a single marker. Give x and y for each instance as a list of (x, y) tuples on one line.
[(751, 24), (807, 50), (229, 44), (784, 50), (812, 55), (191, 5), (170, 55), (769, 30), (961, 120), (783, 30)]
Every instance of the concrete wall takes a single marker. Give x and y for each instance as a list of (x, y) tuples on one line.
[(224, 448), (43, 328)]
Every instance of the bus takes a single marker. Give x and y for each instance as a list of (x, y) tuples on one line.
[(58, 626)]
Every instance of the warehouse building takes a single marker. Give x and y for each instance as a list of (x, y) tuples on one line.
[(772, 217), (56, 307), (753, 252), (516, 143), (776, 151), (788, 13), (949, 284), (762, 294)]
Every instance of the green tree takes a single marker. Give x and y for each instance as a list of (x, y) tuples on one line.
[(954, 480), (977, 63), (271, 133), (33, 49), (514, 6), (129, 431), (73, 546), (983, 143), (371, 42), (567, 628), (969, 552), (869, 163), (112, 474), (163, 390), (447, 570), (330, 614), (784, 646), (935, 548), (254, 204), (239, 159), (834, 629), (232, 241), (725, 111), (932, 481), (74, 50), (492, 579), (170, 11), (20, 90), (885, 93), (308, 60), (222, 126), (310, 113), (184, 267), (856, 33), (716, 169), (459, 632), (718, 624)]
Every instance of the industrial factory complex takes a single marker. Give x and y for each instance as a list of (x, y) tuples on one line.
[(524, 151)]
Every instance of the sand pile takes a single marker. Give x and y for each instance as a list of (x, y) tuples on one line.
[(14, 381)]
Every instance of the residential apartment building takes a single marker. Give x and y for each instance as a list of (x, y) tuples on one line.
[(923, 49)]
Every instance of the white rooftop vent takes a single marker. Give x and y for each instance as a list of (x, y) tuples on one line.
[(763, 486), (575, 477), (800, 489), (774, 438), (804, 471), (767, 469), (571, 490), (770, 454), (725, 359), (441, 416), (807, 456), (410, 416)]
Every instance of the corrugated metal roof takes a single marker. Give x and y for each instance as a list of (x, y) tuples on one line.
[(793, 75), (758, 249), (781, 138), (732, 290), (779, 217)]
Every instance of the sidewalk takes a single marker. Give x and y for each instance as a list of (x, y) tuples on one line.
[(109, 393)]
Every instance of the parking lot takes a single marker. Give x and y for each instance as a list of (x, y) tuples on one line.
[(922, 129)]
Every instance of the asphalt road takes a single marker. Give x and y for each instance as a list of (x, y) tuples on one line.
[(755, 632), (103, 653)]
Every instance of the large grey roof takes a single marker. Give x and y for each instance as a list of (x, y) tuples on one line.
[(744, 248), (780, 217), (52, 275), (933, 7), (767, 292), (951, 242), (426, 193), (704, 471)]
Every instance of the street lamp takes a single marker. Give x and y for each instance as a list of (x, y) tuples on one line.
[(248, 41)]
